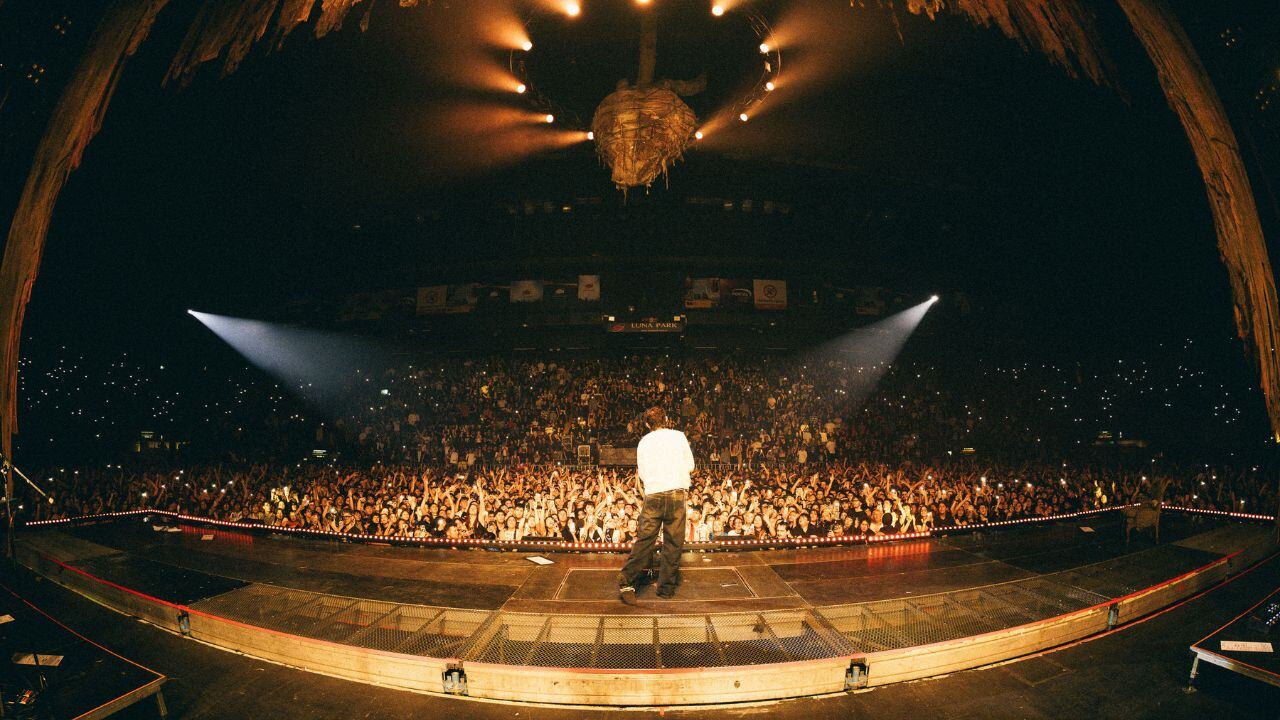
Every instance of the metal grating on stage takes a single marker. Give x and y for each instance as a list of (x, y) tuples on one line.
[(658, 641), (908, 622), (682, 641)]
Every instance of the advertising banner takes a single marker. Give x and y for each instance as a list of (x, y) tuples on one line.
[(646, 326), (736, 294), (770, 294), (617, 455), (526, 290), (589, 288), (436, 299), (559, 293), (701, 293), (432, 299), (868, 301), (461, 298)]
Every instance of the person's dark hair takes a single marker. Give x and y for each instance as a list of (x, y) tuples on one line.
[(655, 417)]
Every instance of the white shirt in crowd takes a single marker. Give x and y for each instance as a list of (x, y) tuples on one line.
[(664, 461)]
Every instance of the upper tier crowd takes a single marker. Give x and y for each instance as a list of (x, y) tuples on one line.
[(785, 446)]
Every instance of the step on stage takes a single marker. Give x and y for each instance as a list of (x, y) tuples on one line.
[(745, 626), (1246, 645)]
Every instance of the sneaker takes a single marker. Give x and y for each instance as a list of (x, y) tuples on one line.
[(627, 595)]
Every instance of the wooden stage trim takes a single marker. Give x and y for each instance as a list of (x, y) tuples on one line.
[(642, 687), (649, 688)]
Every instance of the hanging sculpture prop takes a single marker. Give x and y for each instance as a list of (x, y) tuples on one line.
[(644, 127), (640, 132)]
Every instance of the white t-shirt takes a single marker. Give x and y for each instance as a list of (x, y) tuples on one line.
[(664, 461)]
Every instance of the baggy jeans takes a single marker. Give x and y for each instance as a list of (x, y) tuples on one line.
[(665, 511)]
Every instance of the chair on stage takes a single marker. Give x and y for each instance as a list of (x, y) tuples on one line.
[(1144, 513)]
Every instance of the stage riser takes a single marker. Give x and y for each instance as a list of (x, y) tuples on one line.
[(666, 688), (1250, 555), (893, 666), (409, 672), (153, 611), (1145, 603)]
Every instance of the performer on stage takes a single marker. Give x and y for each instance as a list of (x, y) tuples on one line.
[(663, 462)]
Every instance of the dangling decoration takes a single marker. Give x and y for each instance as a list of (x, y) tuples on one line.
[(643, 127), (639, 132)]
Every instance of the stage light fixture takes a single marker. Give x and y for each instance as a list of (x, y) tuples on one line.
[(769, 86), (550, 118), (764, 48), (743, 117), (526, 46), (717, 10), (698, 135), (591, 135), (934, 298), (572, 9), (521, 88)]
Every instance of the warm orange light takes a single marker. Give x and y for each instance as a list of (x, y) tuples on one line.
[(591, 135), (717, 10), (643, 2), (527, 45), (769, 86), (550, 118), (764, 47), (521, 88), (742, 117), (698, 135), (572, 9), (496, 25)]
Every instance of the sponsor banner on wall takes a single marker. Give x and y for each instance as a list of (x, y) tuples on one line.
[(645, 326), (701, 293), (432, 299), (868, 301), (560, 293), (770, 294), (492, 296), (404, 302), (736, 293), (617, 455), (436, 299), (462, 298), (589, 288), (526, 290)]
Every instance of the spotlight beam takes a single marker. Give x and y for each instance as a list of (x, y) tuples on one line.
[(319, 363), (872, 349)]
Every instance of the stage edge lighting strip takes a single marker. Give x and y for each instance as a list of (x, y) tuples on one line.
[(743, 543)]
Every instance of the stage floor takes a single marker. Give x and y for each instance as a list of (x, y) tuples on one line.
[(1139, 672), (734, 608), (745, 626)]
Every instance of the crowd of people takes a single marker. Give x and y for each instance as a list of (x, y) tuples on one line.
[(592, 504), (737, 409), (786, 447)]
